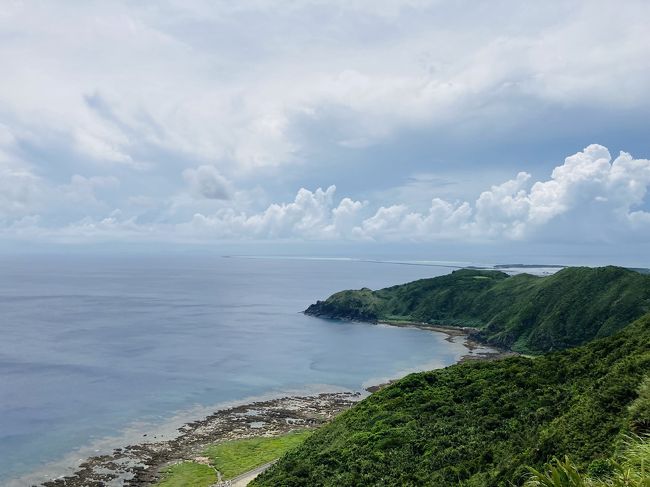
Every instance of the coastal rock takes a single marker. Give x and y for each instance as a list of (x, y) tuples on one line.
[(142, 464)]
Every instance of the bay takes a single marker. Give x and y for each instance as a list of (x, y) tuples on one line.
[(91, 345)]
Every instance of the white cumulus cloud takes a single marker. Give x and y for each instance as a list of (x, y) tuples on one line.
[(589, 194), (589, 197), (312, 215)]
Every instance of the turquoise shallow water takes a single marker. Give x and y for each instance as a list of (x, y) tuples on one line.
[(91, 345)]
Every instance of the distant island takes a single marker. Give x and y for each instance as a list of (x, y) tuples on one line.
[(577, 413), (529, 266)]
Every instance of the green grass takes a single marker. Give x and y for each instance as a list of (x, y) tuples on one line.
[(233, 458), (188, 474)]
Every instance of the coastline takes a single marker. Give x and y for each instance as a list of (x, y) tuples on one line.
[(477, 350), (142, 463)]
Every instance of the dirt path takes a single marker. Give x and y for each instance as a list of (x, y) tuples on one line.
[(244, 479)]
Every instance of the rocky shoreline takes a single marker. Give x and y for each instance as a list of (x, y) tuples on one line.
[(142, 464)]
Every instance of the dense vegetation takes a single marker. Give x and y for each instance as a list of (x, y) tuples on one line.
[(523, 312), (630, 468), (483, 423)]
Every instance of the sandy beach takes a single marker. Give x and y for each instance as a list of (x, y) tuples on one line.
[(476, 349)]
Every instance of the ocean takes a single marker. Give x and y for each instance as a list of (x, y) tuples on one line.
[(97, 347)]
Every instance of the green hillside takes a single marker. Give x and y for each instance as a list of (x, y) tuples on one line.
[(483, 423), (523, 312)]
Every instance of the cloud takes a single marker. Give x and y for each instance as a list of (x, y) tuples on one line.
[(121, 82), (19, 191), (24, 192), (588, 193), (82, 189), (20, 187), (312, 215), (101, 147), (443, 220), (142, 93), (206, 182), (589, 197), (585, 194)]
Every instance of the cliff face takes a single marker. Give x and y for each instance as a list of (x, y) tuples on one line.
[(523, 312), (361, 305)]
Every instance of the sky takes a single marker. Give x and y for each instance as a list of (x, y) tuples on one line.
[(317, 124)]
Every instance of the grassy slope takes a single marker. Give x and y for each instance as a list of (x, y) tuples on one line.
[(522, 312), (233, 458), (188, 474), (479, 423)]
